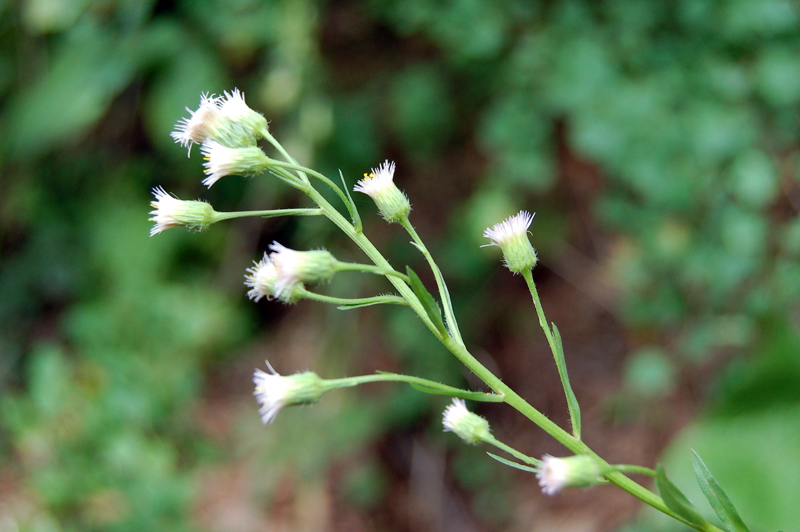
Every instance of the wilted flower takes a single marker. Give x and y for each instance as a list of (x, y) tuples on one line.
[(577, 471), (170, 211), (511, 236), (471, 428), (392, 204), (274, 392)]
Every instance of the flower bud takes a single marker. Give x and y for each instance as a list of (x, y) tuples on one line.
[(511, 237), (262, 279), (471, 428), (172, 212), (578, 471), (222, 161), (392, 204), (274, 392), (294, 267), (233, 108)]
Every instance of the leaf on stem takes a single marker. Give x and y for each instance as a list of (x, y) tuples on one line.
[(515, 465), (676, 500), (428, 303), (351, 206), (572, 401), (717, 497)]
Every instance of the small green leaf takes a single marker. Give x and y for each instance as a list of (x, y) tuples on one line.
[(572, 401), (351, 206), (717, 497), (515, 465), (428, 303), (675, 500)]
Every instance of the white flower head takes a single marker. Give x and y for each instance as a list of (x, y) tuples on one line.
[(233, 107), (261, 279), (578, 471), (471, 428), (170, 212), (511, 236), (392, 204), (274, 392), (201, 124), (222, 160), (295, 267)]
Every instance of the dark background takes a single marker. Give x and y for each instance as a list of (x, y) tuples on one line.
[(656, 141)]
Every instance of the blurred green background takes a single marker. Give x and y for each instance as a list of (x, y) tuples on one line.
[(657, 141)]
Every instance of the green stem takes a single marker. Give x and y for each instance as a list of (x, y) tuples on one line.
[(368, 268), (220, 216), (420, 383), (626, 468), (375, 256), (444, 294), (513, 452), (574, 413), (303, 170), (375, 300)]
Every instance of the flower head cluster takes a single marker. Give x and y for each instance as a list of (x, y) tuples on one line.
[(578, 471), (170, 211), (392, 204), (471, 428), (511, 236), (274, 392), (225, 119)]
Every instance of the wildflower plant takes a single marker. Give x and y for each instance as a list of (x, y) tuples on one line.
[(228, 131)]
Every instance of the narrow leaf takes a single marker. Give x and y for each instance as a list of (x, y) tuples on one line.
[(351, 206), (572, 401), (515, 465), (717, 497), (351, 306), (675, 500), (428, 303)]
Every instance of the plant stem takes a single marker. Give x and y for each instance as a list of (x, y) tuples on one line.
[(220, 216), (433, 386), (444, 294), (375, 300), (574, 412), (369, 268), (513, 452)]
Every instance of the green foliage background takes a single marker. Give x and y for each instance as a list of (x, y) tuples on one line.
[(657, 141)]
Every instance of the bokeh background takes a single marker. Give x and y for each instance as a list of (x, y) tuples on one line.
[(657, 142)]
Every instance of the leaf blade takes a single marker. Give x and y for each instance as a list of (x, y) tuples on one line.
[(716, 496)]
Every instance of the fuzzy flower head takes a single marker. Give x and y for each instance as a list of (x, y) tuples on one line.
[(262, 279), (222, 160), (578, 471), (170, 211), (295, 267), (511, 236), (274, 392), (392, 204), (224, 119), (200, 125), (233, 107), (471, 428)]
